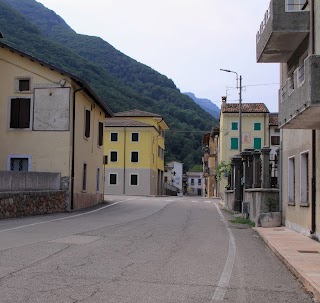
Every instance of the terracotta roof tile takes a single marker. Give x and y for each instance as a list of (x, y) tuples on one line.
[(273, 119), (122, 122), (136, 113), (246, 108)]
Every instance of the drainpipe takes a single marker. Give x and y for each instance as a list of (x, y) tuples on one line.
[(73, 144), (314, 139), (124, 161)]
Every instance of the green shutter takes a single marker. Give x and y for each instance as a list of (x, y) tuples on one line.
[(234, 125), (257, 126), (257, 143), (234, 143)]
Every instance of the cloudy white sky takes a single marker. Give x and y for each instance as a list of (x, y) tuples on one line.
[(186, 40)]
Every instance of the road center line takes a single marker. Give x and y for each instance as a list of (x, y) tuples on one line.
[(60, 219), (227, 271)]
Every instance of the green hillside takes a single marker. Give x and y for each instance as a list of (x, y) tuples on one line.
[(123, 83)]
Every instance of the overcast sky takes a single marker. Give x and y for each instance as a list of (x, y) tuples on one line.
[(186, 40)]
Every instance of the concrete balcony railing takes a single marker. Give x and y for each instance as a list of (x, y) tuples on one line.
[(282, 30), (299, 98)]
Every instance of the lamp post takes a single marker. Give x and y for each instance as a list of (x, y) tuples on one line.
[(240, 101)]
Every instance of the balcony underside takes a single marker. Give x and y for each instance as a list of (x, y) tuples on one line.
[(280, 46), (307, 119)]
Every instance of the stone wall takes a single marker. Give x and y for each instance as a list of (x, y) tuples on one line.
[(20, 204)]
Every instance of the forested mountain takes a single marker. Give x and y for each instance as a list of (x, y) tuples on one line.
[(206, 104), (122, 82)]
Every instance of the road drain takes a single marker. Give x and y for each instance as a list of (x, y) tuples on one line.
[(308, 251)]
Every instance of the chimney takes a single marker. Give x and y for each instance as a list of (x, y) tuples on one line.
[(224, 100)]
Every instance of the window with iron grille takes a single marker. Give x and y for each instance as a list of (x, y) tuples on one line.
[(19, 164), (20, 113)]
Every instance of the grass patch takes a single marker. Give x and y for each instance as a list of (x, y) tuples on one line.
[(240, 220)]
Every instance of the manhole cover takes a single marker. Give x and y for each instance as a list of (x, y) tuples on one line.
[(76, 240), (308, 251)]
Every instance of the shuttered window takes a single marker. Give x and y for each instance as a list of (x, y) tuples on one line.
[(234, 143), (257, 143), (100, 137), (87, 124), (20, 113)]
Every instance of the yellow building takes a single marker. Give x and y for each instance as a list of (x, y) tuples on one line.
[(255, 131), (134, 145), (51, 121)]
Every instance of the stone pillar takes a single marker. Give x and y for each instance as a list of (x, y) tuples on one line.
[(247, 159), (231, 175), (256, 169), (265, 154), (238, 174)]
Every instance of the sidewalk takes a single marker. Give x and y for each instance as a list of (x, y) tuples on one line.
[(300, 253)]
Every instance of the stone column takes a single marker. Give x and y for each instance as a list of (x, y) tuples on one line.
[(256, 169), (238, 174), (265, 154), (247, 159), (231, 175)]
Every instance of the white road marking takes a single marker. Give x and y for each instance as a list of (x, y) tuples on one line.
[(194, 201), (227, 271), (207, 201), (60, 219), (169, 200)]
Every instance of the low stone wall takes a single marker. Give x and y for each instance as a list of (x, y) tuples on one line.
[(20, 204), (261, 200), (229, 199)]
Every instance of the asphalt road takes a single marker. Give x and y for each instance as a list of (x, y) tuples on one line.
[(144, 250)]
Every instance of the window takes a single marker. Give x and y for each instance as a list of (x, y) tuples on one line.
[(133, 179), (20, 113), (192, 181), (113, 156), (98, 180), (134, 156), (84, 177), (19, 164), (135, 137), (291, 180), (113, 179), (199, 181), (304, 178), (275, 140), (87, 123), (114, 137), (234, 143), (257, 126), (234, 125), (277, 130), (24, 85), (257, 143), (100, 135)]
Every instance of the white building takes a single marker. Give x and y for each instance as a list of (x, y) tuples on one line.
[(195, 183), (173, 174)]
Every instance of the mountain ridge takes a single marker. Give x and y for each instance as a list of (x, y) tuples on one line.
[(122, 82)]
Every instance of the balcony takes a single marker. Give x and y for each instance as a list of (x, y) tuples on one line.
[(282, 30), (299, 98)]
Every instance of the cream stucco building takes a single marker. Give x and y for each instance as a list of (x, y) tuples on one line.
[(289, 35), (51, 121), (134, 146)]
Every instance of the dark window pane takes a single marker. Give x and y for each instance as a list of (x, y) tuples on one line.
[(24, 85), (100, 138), (14, 115), (134, 157), (113, 156), (113, 179), (24, 117), (84, 177), (275, 140), (114, 137), (87, 124), (134, 180), (135, 137)]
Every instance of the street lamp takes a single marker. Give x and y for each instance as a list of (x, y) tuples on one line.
[(240, 101)]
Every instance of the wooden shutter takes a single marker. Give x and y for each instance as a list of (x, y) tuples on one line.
[(24, 116), (100, 139), (14, 114), (87, 124)]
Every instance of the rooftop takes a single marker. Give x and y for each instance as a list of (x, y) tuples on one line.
[(246, 108), (122, 122), (273, 119), (136, 113)]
